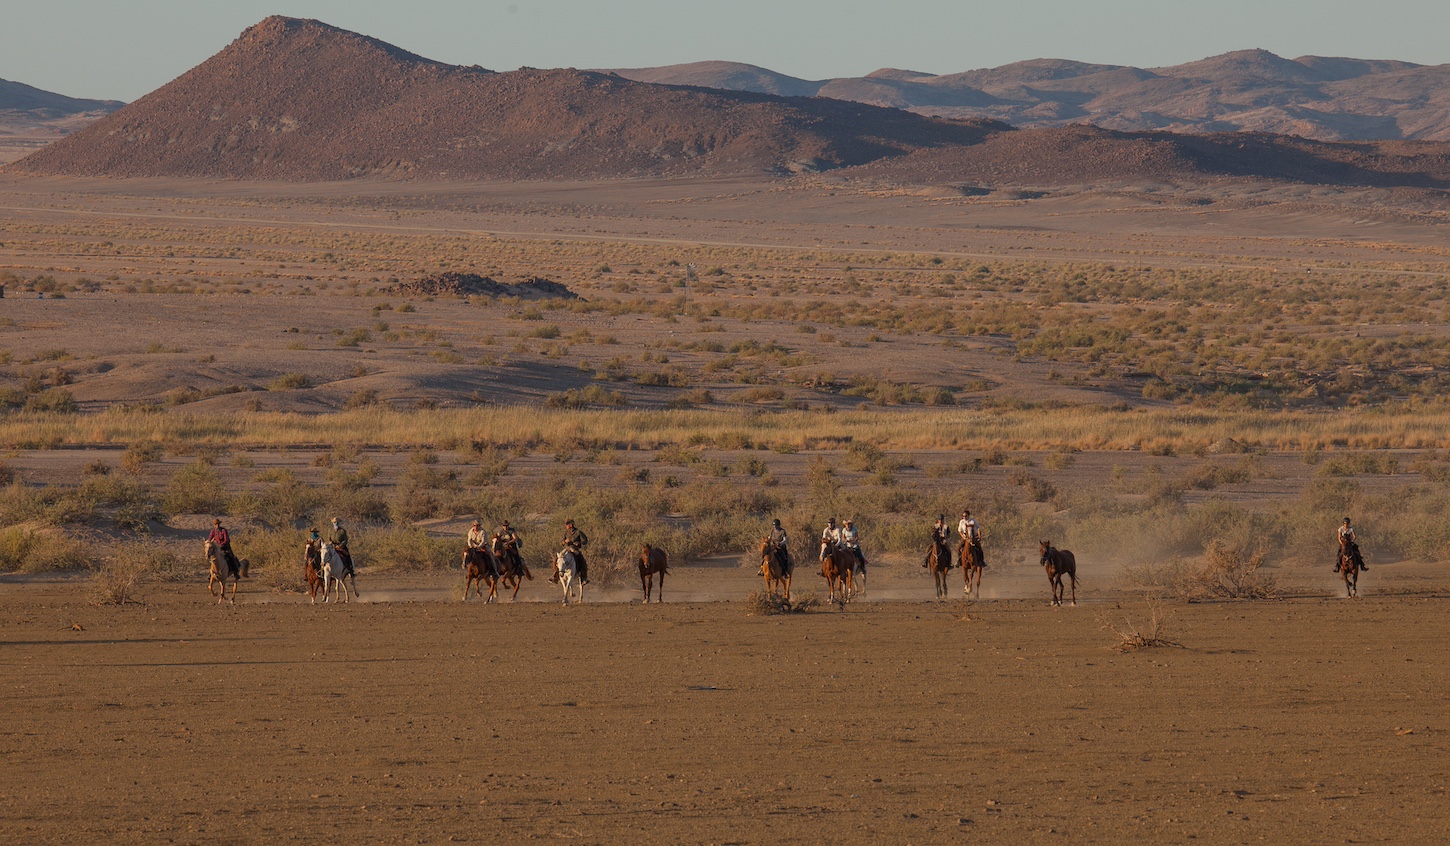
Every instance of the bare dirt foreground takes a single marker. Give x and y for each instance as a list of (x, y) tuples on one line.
[(1308, 720)]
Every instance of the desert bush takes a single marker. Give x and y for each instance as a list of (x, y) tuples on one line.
[(404, 549), (116, 581), (283, 504), (1359, 463), (55, 400), (289, 382), (1231, 572), (195, 489), (139, 454), (25, 550)]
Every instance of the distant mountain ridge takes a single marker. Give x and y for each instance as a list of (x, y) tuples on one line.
[(19, 97), (31, 118), (298, 99), (1319, 97)]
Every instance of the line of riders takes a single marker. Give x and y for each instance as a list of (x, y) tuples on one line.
[(505, 545)]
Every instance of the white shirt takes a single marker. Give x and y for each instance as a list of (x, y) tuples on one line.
[(850, 538), (968, 529), (831, 535)]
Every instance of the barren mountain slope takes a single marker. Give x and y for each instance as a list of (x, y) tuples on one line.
[(1253, 90), (300, 100)]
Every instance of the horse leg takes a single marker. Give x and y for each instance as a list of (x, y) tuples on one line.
[(660, 597), (1072, 577)]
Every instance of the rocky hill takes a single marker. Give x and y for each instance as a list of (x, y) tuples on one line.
[(300, 100), (1248, 90)]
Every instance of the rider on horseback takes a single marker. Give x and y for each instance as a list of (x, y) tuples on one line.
[(312, 552), (939, 535), (478, 544), (338, 538), (830, 537), (971, 536), (780, 547), (1348, 544), (851, 542), (223, 541), (574, 541)]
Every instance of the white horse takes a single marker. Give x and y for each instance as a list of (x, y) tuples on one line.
[(334, 574), (569, 580), (223, 572)]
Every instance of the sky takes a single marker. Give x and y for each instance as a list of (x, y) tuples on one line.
[(122, 49)]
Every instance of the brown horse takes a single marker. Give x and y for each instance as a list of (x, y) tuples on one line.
[(511, 567), (312, 568), (1349, 564), (653, 560), (939, 562), (970, 557), (839, 569), (1059, 563), (479, 568), (774, 570), (222, 572)]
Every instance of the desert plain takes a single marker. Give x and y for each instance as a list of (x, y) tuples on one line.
[(1166, 378)]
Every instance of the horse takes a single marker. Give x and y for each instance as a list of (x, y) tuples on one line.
[(1059, 563), (774, 570), (1349, 564), (312, 568), (858, 572), (335, 574), (653, 560), (479, 567), (511, 567), (970, 556), (939, 562), (839, 568), (569, 580), (222, 571)]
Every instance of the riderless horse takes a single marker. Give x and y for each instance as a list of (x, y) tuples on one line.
[(774, 570), (653, 560), (1059, 563), (334, 576), (222, 571)]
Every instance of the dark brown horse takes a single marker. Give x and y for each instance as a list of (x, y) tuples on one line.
[(939, 562), (511, 566), (970, 556), (1059, 563), (839, 569), (774, 570), (653, 560), (1349, 564), (479, 567), (312, 568)]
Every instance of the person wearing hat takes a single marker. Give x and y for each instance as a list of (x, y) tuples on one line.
[(511, 545), (851, 542), (939, 535), (221, 539), (338, 539), (1348, 544), (780, 546), (830, 537), (312, 552), (477, 543), (971, 535), (574, 541)]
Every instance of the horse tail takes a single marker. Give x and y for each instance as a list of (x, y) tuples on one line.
[(244, 567)]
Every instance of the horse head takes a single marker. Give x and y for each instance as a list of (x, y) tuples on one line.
[(1046, 552)]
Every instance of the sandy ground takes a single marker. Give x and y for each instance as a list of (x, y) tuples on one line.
[(1311, 719)]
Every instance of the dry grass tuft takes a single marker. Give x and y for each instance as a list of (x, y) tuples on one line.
[(761, 604), (116, 581), (1133, 636)]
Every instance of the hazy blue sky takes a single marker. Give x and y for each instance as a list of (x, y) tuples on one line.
[(122, 49)]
